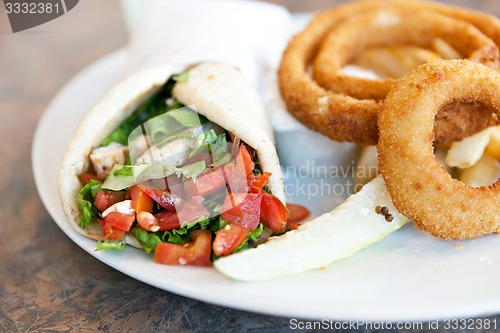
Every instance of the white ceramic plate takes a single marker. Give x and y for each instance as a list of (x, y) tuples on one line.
[(407, 276)]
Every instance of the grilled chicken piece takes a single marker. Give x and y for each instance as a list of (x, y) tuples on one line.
[(105, 158)]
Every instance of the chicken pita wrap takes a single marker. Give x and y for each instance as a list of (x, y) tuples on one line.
[(177, 162)]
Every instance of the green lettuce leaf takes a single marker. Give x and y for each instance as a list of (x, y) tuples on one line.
[(148, 240), (192, 170), (108, 245), (251, 239), (182, 78), (154, 106), (86, 199), (215, 145)]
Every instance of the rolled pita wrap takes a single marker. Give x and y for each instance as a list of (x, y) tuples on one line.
[(219, 93)]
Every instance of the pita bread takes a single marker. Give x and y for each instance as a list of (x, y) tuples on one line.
[(220, 93)]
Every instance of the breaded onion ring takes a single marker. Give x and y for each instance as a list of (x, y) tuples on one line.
[(394, 26), (420, 188), (344, 118)]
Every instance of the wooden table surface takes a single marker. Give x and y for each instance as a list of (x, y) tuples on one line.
[(47, 283)]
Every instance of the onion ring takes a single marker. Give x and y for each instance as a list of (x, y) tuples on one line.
[(420, 188), (393, 27), (344, 118)]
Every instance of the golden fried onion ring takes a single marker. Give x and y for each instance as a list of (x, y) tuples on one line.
[(394, 26), (344, 118), (420, 188)]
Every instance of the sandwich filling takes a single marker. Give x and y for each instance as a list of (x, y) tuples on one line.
[(182, 186)]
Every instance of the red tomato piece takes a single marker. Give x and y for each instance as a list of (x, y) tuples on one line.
[(260, 182), (245, 163), (113, 233), (242, 209), (171, 254), (228, 239), (209, 182), (201, 248), (236, 181), (104, 199), (141, 202), (164, 198), (274, 213), (194, 253), (167, 220), (86, 177), (298, 213), (192, 211), (119, 220), (110, 232), (175, 185)]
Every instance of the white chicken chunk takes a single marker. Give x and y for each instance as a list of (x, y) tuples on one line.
[(173, 153), (105, 158)]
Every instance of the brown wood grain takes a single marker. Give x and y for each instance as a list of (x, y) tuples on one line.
[(47, 283)]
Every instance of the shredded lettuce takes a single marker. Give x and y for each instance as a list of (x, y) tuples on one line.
[(171, 125), (152, 107), (214, 144), (182, 78), (125, 170), (110, 245), (125, 176), (192, 170), (181, 235), (251, 239), (148, 240), (86, 199)]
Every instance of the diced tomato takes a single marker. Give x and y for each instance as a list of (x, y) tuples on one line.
[(194, 253), (236, 181), (147, 221), (298, 213), (172, 254), (167, 220), (202, 247), (235, 147), (273, 213), (175, 185), (119, 220), (104, 199), (245, 163), (164, 198), (141, 202), (113, 233), (228, 239), (192, 211), (207, 183), (86, 177), (242, 209), (260, 182)]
